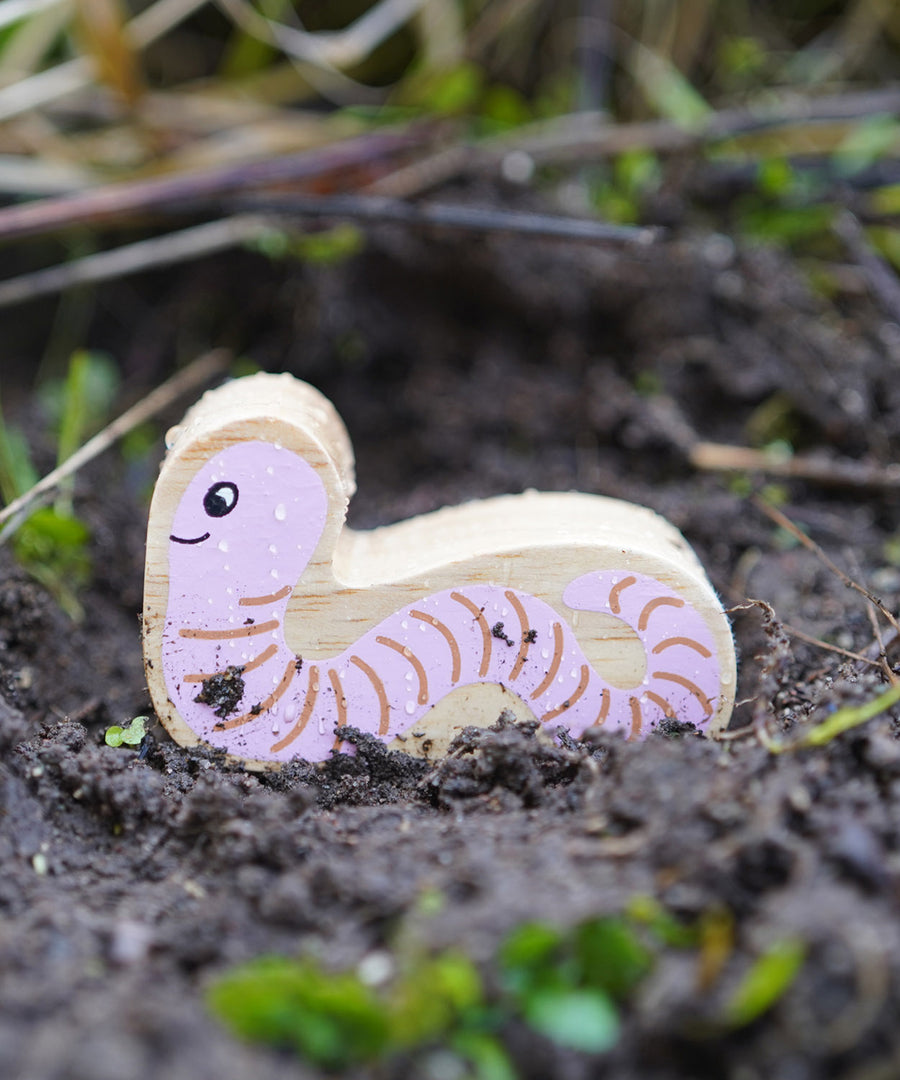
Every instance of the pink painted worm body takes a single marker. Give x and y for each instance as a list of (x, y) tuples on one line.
[(243, 532)]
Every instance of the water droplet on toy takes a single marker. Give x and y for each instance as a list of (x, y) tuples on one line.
[(278, 446), (273, 550), (405, 624), (409, 676), (410, 707), (223, 545), (231, 618), (229, 591), (321, 725), (273, 573), (545, 654), (226, 567), (280, 512), (270, 471)]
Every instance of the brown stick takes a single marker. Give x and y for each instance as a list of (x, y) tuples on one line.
[(585, 137), (841, 472), (188, 379), (784, 522), (111, 201)]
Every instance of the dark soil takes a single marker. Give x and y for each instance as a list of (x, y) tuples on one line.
[(129, 877)]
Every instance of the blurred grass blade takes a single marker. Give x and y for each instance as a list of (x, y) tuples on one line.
[(17, 474), (667, 90), (101, 28), (849, 717), (13, 10)]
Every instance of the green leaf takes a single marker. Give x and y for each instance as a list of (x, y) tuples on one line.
[(873, 138), (529, 956), (668, 91), (486, 1054), (787, 224), (333, 1020), (430, 998), (766, 982), (610, 956), (132, 735), (583, 1020)]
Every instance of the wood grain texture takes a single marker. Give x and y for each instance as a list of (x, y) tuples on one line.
[(551, 602)]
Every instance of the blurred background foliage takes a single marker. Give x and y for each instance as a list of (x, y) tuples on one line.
[(96, 90)]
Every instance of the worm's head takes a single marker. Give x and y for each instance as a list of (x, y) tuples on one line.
[(253, 512)]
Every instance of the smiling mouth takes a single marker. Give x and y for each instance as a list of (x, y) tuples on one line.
[(195, 540)]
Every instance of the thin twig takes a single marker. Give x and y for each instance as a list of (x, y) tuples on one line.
[(132, 258), (188, 379), (784, 522), (73, 75), (332, 50), (820, 644), (201, 240), (585, 137), (479, 219), (172, 193), (841, 472), (881, 278)]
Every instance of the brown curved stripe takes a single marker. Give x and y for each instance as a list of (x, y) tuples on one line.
[(554, 663), (407, 654), (659, 700), (614, 592), (523, 627), (338, 697), (604, 709), (305, 713), (277, 693), (636, 718), (272, 598), (225, 635), (570, 701), (485, 630), (652, 605), (448, 637), (251, 665), (378, 686), (689, 641), (688, 685)]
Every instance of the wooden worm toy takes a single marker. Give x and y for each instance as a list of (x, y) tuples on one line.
[(268, 623)]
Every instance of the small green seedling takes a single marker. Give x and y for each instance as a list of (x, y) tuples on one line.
[(132, 735), (564, 984), (767, 981)]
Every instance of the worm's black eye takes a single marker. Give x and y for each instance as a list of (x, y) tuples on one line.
[(221, 499)]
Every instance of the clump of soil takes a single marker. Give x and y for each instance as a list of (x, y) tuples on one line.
[(130, 877), (223, 691)]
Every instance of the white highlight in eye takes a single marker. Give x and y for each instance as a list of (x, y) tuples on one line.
[(280, 512)]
